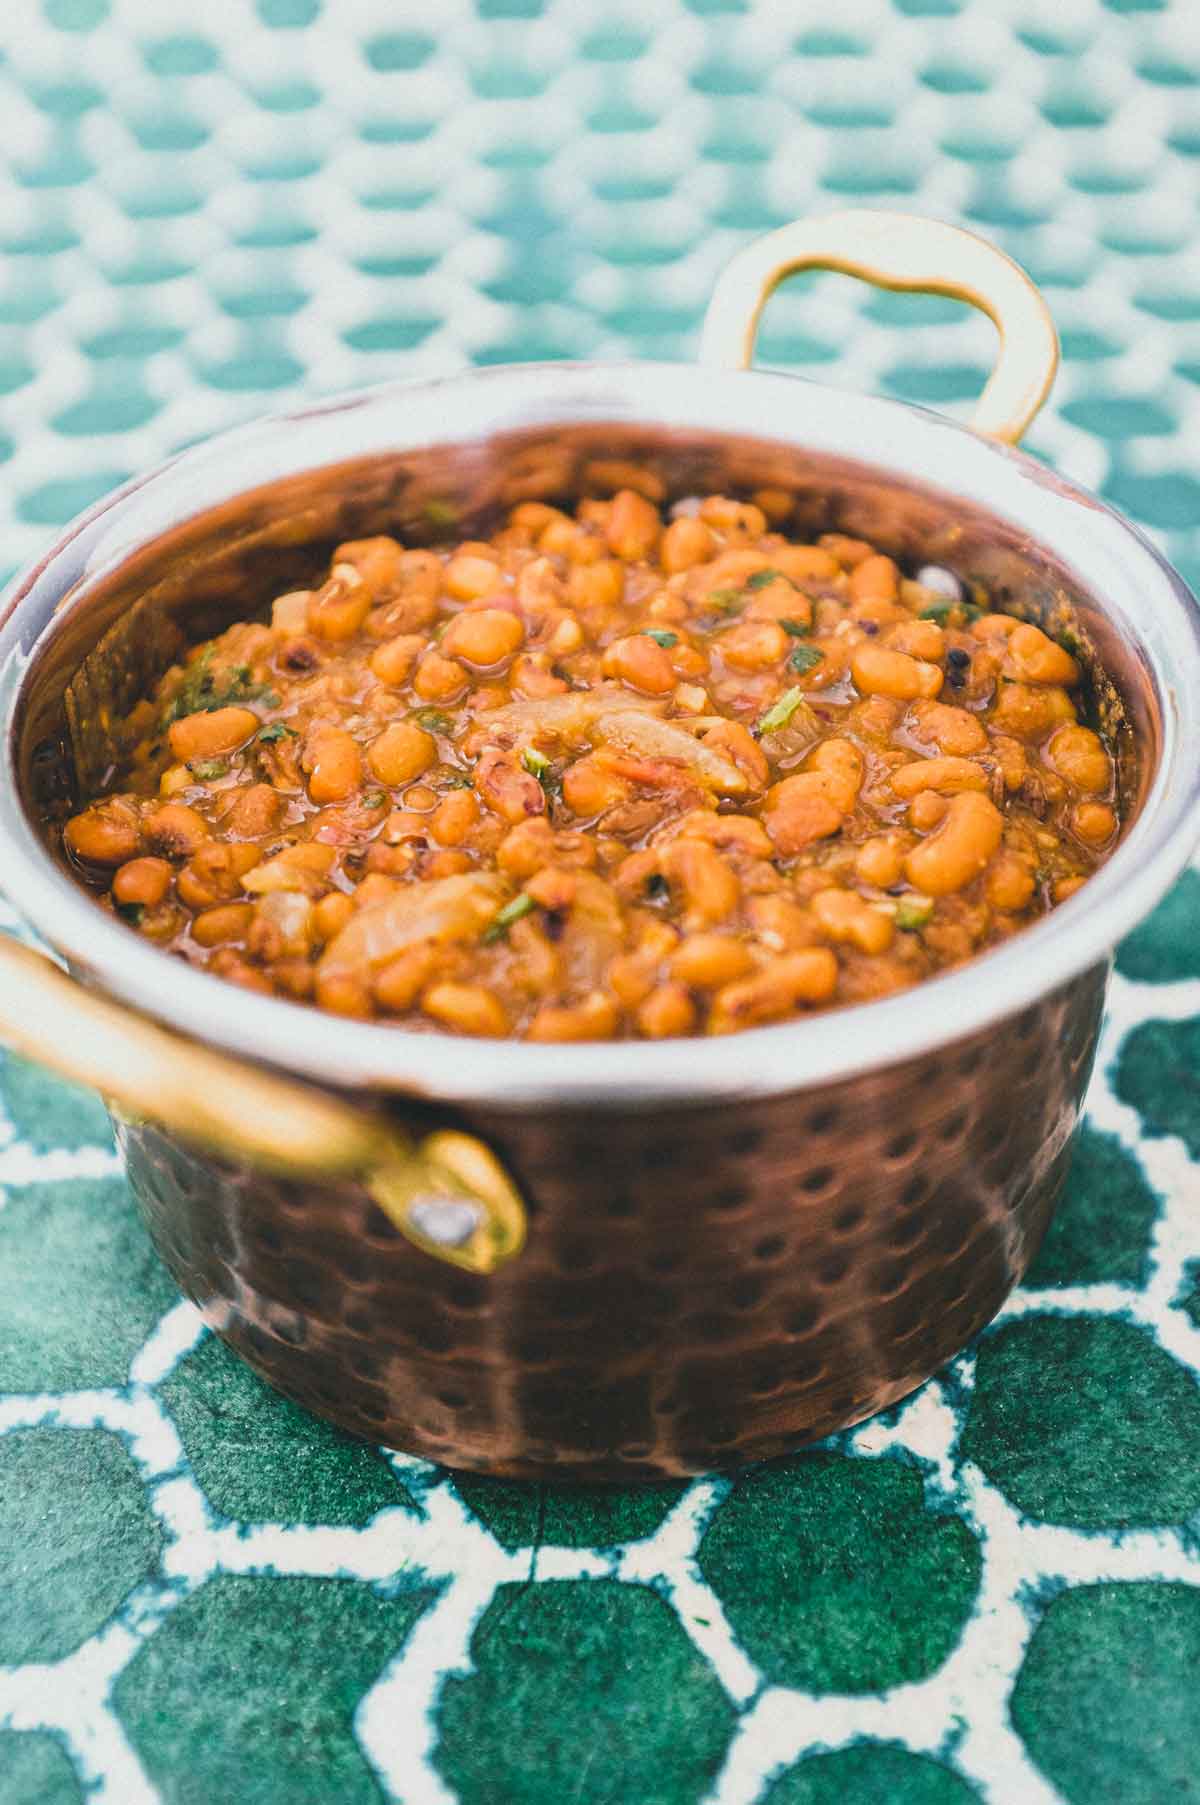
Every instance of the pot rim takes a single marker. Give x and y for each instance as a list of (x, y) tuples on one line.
[(1109, 557)]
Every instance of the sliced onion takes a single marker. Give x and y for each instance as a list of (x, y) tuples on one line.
[(448, 909)]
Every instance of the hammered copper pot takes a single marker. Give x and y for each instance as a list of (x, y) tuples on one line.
[(619, 1261)]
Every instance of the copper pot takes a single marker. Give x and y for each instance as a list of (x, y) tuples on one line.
[(615, 1261)]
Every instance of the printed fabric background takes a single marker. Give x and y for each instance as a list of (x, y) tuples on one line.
[(991, 1593)]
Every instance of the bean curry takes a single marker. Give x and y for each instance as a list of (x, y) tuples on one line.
[(623, 772)]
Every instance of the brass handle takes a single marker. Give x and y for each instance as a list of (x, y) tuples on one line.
[(447, 1193), (899, 251)]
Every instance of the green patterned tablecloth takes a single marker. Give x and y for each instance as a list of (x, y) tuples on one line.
[(989, 1594)]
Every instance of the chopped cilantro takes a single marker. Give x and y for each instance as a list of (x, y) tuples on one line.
[(660, 636), (199, 694), (762, 579), (130, 912), (804, 658), (276, 731), (912, 912), (433, 720), (455, 780), (535, 762), (941, 611), (500, 923), (796, 628), (723, 598), (208, 769), (781, 712)]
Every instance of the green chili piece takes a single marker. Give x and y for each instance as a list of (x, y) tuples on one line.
[(781, 712), (498, 927), (535, 762), (912, 912)]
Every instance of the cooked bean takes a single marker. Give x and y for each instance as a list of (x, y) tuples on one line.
[(466, 1008), (846, 917), (1094, 822), (595, 1018), (742, 749), (1037, 659), (841, 766), (877, 671), (809, 976), (331, 914), (439, 679), (633, 528), (805, 563), (339, 607), (1010, 882), (754, 646), (255, 812), (926, 809), (708, 887), (200, 736), (596, 585), (379, 561), (334, 766), (949, 775), (799, 811), (618, 770), (706, 961), (454, 817), (143, 882), (1029, 711), (400, 982), (666, 1013), (642, 663), (959, 848), (880, 861), (737, 520), (469, 576), (507, 788), (402, 751), (483, 636), (214, 874), (686, 542), (107, 833), (222, 924), (1078, 754), (875, 578), (919, 638), (175, 829), (394, 659), (952, 730)]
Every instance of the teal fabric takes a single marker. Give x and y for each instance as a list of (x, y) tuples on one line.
[(992, 1593)]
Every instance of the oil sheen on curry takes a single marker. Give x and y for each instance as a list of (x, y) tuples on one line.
[(632, 772)]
